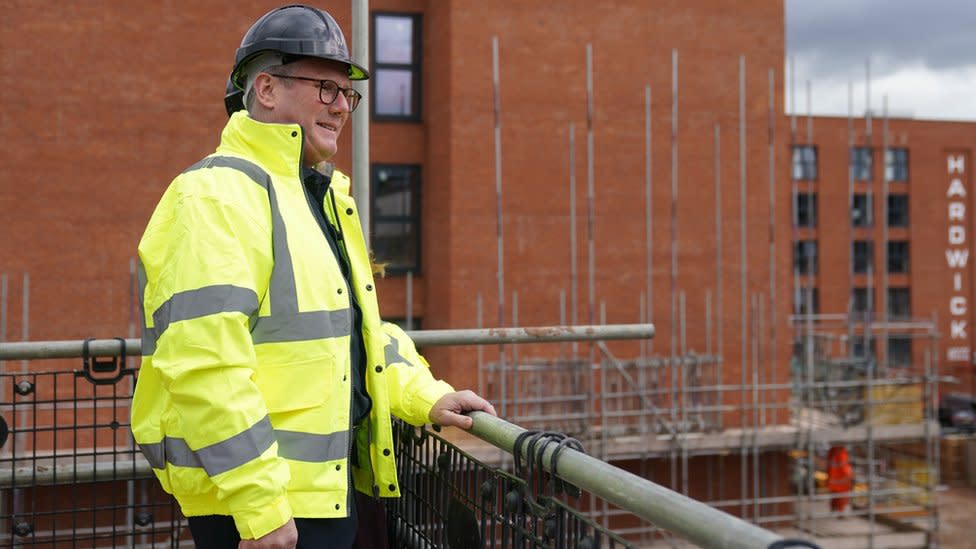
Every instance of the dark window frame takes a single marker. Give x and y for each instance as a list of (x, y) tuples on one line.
[(861, 300), (898, 210), (862, 210), (800, 300), (414, 218), (896, 164), (806, 264), (804, 168), (862, 256), (899, 351), (899, 303), (899, 257), (414, 67), (806, 210), (862, 163)]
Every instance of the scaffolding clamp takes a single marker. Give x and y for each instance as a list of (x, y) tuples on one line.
[(92, 365)]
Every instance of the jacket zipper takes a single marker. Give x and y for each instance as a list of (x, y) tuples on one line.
[(369, 430), (318, 213)]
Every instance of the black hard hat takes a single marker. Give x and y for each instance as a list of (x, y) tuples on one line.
[(295, 30), (233, 99)]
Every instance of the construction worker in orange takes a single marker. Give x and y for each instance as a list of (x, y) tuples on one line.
[(840, 478)]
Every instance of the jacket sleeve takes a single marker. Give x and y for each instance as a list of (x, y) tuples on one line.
[(208, 260), (413, 389)]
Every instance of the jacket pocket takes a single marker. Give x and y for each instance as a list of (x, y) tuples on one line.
[(296, 385)]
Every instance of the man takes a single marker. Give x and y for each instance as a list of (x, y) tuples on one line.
[(268, 379)]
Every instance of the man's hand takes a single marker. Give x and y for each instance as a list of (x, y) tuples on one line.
[(447, 411), (285, 537)]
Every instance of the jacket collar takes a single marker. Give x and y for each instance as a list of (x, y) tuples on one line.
[(277, 147)]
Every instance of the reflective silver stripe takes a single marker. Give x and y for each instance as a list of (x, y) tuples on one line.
[(216, 458), (154, 454), (392, 354), (144, 334), (286, 322), (312, 448), (301, 326), (246, 446), (209, 300)]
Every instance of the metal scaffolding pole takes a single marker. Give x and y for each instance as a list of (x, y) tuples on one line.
[(360, 117), (674, 248), (690, 519), (884, 236), (589, 186), (34, 350), (648, 211), (772, 235), (499, 222), (743, 258), (573, 291), (719, 317)]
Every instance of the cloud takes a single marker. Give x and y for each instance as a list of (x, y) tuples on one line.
[(922, 53), (912, 91)]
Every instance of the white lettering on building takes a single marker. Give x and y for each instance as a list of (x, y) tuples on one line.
[(957, 354), (957, 257)]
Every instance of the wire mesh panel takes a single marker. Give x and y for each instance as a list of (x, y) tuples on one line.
[(451, 500), (70, 474)]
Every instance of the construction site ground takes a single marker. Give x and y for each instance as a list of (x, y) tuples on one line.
[(957, 506)]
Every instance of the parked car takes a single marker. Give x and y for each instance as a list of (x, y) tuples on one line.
[(957, 411)]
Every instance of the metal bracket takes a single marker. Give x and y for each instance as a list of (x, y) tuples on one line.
[(93, 365)]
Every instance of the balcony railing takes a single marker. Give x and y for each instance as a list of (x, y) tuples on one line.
[(70, 474)]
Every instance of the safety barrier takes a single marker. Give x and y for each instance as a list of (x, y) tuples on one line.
[(70, 474)]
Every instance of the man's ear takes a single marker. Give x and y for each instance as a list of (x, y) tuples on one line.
[(264, 90)]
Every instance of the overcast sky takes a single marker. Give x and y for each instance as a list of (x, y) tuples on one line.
[(922, 56)]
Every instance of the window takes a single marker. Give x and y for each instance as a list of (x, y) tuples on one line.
[(859, 300), (899, 303), (862, 252), (396, 66), (806, 301), (804, 162), (900, 351), (395, 216), (896, 164), (861, 349), (806, 210), (897, 210), (898, 256), (861, 163), (861, 211), (805, 257)]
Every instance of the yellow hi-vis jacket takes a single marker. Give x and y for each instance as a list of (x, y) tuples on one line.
[(242, 405)]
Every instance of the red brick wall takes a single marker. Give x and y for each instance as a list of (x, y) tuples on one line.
[(930, 277), (126, 96), (107, 103)]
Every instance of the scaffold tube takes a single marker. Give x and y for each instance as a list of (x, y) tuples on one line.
[(34, 350), (685, 517)]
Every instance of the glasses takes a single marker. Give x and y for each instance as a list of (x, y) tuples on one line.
[(329, 90)]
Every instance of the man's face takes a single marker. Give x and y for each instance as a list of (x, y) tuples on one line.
[(297, 102)]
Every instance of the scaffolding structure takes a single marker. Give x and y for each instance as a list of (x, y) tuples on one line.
[(676, 420)]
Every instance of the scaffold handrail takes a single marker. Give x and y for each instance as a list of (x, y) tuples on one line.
[(36, 350), (685, 517)]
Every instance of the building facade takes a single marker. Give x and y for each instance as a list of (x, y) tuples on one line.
[(533, 163)]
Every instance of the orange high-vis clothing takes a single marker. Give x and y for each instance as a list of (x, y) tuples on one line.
[(840, 477), (242, 405)]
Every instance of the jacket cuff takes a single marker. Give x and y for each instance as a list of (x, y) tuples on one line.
[(425, 399), (260, 522)]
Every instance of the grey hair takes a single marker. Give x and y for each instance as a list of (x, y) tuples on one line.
[(269, 62)]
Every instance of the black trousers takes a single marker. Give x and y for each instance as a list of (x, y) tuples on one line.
[(219, 532)]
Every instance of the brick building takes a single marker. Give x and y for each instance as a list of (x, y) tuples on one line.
[(905, 248), (108, 101)]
